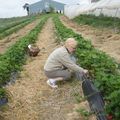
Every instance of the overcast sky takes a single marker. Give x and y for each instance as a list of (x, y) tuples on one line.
[(13, 8)]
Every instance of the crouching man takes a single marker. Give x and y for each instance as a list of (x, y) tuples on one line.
[(60, 65)]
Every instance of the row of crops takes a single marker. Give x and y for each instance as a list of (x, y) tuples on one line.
[(98, 21), (102, 68), (9, 26), (6, 21), (13, 59)]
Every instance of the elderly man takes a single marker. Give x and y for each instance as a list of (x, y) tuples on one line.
[(60, 65)]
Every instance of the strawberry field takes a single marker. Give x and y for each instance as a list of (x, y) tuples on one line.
[(103, 69)]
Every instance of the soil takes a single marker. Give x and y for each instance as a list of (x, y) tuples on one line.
[(103, 39), (33, 99)]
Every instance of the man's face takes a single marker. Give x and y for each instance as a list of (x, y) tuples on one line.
[(72, 48)]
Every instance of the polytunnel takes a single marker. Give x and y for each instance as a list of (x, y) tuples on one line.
[(107, 8)]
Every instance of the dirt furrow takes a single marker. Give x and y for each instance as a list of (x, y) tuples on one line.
[(102, 39), (11, 39)]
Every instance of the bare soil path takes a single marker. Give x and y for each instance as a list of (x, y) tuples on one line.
[(33, 99), (105, 39), (11, 39)]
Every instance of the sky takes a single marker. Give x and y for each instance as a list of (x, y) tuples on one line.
[(13, 8)]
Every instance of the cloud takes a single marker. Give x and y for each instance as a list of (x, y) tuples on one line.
[(13, 8)]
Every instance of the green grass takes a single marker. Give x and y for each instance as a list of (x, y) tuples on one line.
[(98, 21)]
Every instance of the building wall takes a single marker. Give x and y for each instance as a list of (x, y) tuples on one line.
[(35, 8), (45, 5), (58, 6)]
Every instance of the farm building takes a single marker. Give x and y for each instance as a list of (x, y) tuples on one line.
[(46, 6)]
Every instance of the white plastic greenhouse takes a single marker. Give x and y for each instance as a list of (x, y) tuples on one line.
[(105, 7)]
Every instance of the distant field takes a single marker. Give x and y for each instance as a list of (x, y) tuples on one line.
[(10, 25), (4, 22)]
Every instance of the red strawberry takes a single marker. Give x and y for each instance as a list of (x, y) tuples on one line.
[(109, 117)]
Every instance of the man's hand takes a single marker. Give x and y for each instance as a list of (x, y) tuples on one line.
[(85, 71)]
